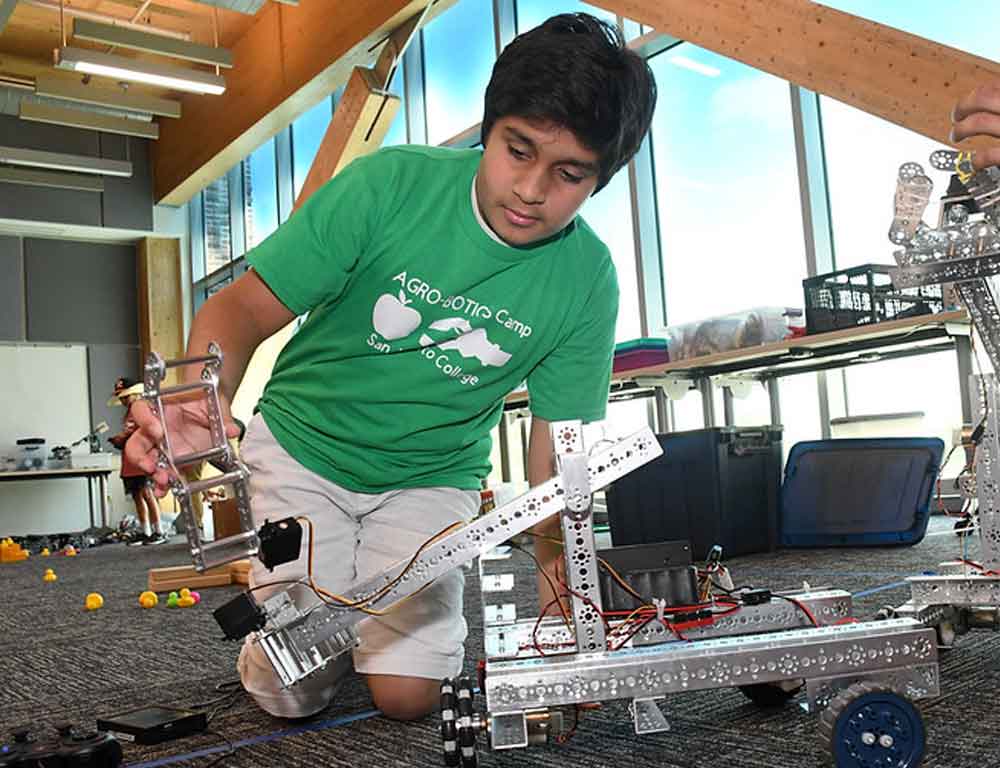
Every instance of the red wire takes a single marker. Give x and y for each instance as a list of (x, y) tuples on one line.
[(979, 567), (802, 607)]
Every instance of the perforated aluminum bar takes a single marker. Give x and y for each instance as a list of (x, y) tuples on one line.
[(326, 622), (946, 270), (722, 663), (978, 299), (954, 590), (578, 537)]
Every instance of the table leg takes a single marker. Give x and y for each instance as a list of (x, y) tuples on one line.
[(102, 481), (90, 497)]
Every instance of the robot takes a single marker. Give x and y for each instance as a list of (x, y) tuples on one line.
[(963, 250), (685, 630)]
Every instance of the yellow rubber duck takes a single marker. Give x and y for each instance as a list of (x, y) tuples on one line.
[(49, 575), (93, 601)]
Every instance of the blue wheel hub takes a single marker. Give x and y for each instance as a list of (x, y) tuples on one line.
[(879, 730)]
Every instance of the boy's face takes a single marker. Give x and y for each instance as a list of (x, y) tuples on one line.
[(533, 177)]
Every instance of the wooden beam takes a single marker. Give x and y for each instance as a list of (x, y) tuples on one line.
[(362, 119), (902, 78), (284, 64), (161, 323)]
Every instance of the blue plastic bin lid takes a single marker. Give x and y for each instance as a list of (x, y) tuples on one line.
[(858, 491)]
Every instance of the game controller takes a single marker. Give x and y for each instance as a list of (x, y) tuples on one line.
[(72, 747)]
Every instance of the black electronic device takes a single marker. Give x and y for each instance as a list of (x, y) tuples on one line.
[(240, 616), (153, 725), (280, 542), (659, 570), (71, 747)]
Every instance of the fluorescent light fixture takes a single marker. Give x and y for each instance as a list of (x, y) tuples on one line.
[(55, 87), (57, 161), (53, 179), (123, 68), (702, 69), (122, 37), (77, 118)]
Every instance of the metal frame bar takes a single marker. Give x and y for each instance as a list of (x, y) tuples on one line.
[(297, 643), (656, 670)]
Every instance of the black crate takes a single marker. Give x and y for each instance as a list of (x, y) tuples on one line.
[(710, 486), (862, 296)]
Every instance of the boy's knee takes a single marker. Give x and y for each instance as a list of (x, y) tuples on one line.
[(305, 698), (404, 698)]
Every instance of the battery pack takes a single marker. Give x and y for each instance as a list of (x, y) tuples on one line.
[(153, 725)]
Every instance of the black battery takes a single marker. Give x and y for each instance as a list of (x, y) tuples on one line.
[(153, 725)]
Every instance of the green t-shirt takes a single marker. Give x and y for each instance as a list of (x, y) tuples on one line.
[(419, 324)]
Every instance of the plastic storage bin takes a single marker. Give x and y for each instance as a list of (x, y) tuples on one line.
[(858, 492), (863, 296), (710, 486)]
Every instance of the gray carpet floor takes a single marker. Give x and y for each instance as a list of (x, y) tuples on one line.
[(61, 663)]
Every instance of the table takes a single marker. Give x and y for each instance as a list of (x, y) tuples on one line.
[(767, 363), (98, 475)]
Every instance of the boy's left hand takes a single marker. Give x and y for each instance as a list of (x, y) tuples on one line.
[(978, 114)]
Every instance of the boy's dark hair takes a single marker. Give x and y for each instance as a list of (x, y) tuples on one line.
[(576, 71)]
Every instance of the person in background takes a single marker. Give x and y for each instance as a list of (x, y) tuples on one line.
[(147, 508)]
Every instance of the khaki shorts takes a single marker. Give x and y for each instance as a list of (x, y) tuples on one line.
[(358, 535)]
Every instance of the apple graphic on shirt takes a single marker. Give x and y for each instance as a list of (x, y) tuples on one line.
[(392, 318)]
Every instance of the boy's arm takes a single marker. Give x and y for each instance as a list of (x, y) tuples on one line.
[(541, 467), (238, 318)]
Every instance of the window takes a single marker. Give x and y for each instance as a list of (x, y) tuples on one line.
[(727, 186), (459, 52), (397, 131), (910, 402), (307, 135), (260, 194), (609, 215), (863, 155), (531, 13), (218, 240), (799, 410), (754, 410)]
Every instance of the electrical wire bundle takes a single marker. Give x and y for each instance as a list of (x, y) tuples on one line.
[(676, 618), (362, 603)]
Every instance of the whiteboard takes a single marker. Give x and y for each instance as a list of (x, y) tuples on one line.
[(44, 392)]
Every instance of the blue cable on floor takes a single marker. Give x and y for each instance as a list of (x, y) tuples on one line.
[(320, 726), (873, 590)]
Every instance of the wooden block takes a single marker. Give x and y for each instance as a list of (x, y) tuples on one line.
[(176, 577), (240, 571)]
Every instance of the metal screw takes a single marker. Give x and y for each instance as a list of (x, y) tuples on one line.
[(886, 740), (868, 738)]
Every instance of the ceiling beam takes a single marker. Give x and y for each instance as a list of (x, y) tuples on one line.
[(363, 117), (289, 60), (902, 78)]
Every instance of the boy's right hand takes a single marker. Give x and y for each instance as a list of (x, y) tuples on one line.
[(188, 423)]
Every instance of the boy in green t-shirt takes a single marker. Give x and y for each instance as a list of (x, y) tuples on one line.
[(435, 282)]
